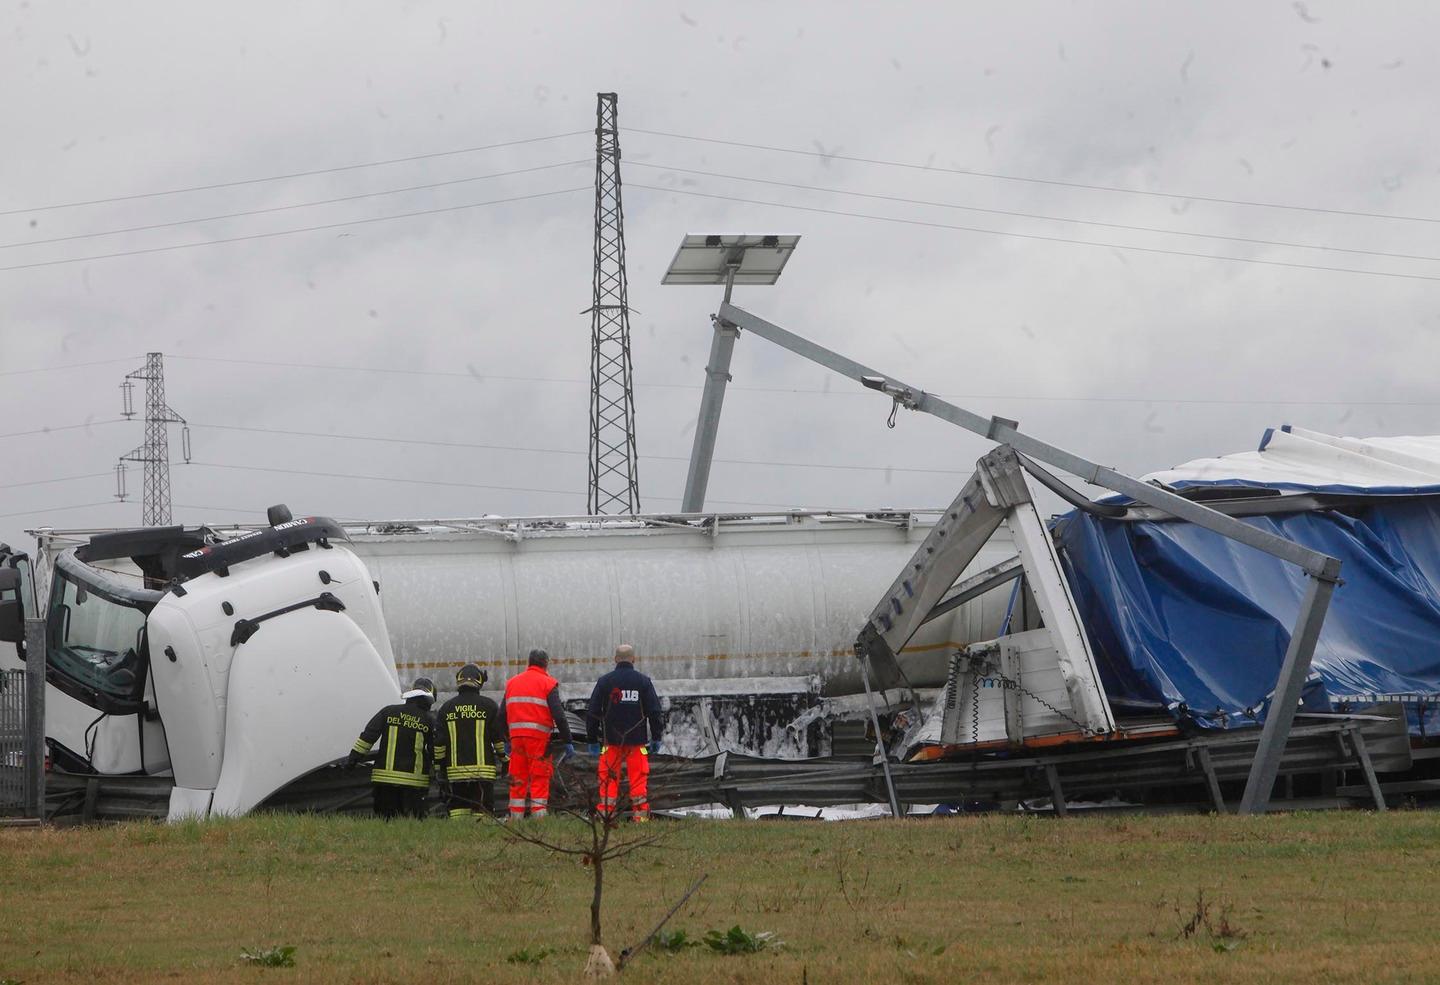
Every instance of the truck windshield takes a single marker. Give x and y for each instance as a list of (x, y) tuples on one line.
[(95, 639)]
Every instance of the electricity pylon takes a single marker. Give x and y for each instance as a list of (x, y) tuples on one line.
[(614, 485), (154, 454)]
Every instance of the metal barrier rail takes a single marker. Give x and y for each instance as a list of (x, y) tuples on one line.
[(1211, 768)]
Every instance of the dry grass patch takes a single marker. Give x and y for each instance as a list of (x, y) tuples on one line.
[(1314, 898)]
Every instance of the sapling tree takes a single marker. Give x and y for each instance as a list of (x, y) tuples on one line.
[(599, 838)]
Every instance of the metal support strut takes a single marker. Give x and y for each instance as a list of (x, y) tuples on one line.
[(707, 427), (1322, 569), (880, 749)]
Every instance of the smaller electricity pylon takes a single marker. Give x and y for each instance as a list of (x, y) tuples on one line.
[(154, 454)]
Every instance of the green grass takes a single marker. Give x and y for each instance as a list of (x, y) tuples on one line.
[(1333, 897)]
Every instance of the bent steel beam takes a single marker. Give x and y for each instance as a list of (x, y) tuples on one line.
[(1322, 569)]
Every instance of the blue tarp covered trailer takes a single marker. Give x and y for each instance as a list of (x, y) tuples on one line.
[(1183, 619)]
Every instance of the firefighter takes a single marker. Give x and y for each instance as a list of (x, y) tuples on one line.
[(532, 714), (468, 745), (624, 713), (400, 776)]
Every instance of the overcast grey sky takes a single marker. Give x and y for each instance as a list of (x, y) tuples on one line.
[(1139, 359)]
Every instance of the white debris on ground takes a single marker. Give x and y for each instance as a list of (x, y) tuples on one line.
[(799, 812)]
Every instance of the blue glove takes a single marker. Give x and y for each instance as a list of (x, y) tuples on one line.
[(594, 748), (569, 751), (654, 746), (507, 748)]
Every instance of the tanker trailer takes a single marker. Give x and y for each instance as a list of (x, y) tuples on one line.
[(747, 623)]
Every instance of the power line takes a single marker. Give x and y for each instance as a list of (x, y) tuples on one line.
[(1036, 236), (1035, 215), (65, 427), (439, 482), (293, 174), (58, 369), (290, 232), (478, 377), (384, 478), (284, 208), (62, 509), (1038, 181), (560, 451), (63, 478), (810, 391), (219, 509)]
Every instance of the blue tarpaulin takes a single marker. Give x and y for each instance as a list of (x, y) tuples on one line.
[(1183, 619)]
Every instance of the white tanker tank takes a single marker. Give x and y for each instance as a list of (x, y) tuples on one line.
[(745, 597)]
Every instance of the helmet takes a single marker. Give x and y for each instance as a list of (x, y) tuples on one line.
[(471, 676), (424, 688)]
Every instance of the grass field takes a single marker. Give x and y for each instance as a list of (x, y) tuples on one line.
[(1335, 897)]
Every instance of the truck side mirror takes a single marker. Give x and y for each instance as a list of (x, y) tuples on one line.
[(12, 615), (12, 622)]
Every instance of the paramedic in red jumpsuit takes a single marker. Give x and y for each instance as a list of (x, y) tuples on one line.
[(532, 713)]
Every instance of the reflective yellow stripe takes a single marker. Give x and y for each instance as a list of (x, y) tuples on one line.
[(390, 740), (396, 778), (471, 773), (479, 741), (362, 746), (419, 752), (454, 741)]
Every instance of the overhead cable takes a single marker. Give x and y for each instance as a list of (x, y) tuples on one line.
[(293, 174), (60, 369), (425, 442), (285, 208), (1035, 236), (63, 478), (579, 494), (811, 391), (1034, 215), (826, 155), (291, 232), (62, 509), (66, 427)]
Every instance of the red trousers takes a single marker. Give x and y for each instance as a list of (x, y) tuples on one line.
[(635, 760), (530, 770)]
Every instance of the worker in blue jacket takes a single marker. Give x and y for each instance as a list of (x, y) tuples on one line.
[(624, 713)]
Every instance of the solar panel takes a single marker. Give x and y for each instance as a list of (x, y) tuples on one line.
[(706, 259)]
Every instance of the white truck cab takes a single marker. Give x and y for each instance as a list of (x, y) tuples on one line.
[(235, 666)]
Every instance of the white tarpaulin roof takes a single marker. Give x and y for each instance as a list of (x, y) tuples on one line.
[(1294, 456)]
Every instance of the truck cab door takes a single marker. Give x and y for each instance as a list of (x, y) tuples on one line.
[(17, 603)]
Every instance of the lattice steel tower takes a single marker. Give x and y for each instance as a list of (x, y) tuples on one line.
[(614, 484), (154, 454)]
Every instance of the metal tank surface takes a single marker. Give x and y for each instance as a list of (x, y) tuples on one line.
[(757, 596)]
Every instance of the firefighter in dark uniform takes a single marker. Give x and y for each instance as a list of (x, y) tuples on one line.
[(400, 776), (624, 712), (469, 744)]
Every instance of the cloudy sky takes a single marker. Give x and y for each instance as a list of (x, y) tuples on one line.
[(1052, 253)]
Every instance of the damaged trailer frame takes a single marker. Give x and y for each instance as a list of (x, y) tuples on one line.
[(916, 591)]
